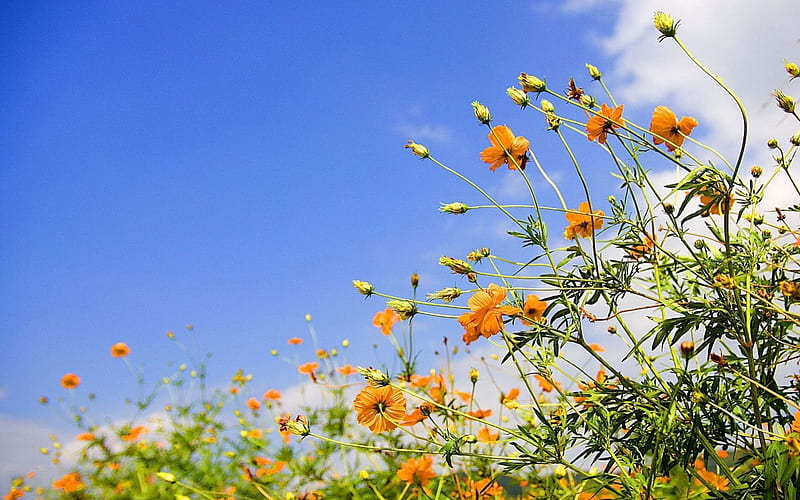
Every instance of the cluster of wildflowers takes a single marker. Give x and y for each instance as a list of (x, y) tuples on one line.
[(693, 287)]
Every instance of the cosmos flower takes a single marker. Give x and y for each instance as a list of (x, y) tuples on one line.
[(599, 125), (583, 223), (486, 316), (506, 149), (666, 128), (120, 350), (380, 408)]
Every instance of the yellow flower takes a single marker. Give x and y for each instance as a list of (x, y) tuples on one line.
[(380, 408)]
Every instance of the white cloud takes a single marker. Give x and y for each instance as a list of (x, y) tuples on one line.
[(423, 132), (745, 43), (20, 441)]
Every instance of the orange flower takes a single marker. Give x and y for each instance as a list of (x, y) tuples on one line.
[(414, 417), (478, 490), (255, 434), (85, 436), (715, 480), (480, 413), (505, 148), (120, 350), (665, 127), (715, 200), (295, 341), (796, 422), (272, 394), (13, 494), (417, 471), (253, 404), (487, 314), (385, 320), (533, 309), (512, 395), (380, 408), (134, 433), (308, 368), (583, 223), (599, 125), (70, 381), (347, 370), (485, 435), (597, 348), (643, 249), (546, 385), (69, 483)]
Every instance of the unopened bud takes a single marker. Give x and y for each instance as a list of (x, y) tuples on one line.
[(481, 113), (446, 295), (792, 69), (363, 287), (519, 97), (594, 73), (665, 24), (418, 149), (457, 266), (772, 143), (414, 280), (530, 83), (456, 208), (403, 308), (687, 349), (795, 139), (588, 101), (784, 101), (547, 106), (166, 476), (669, 208), (756, 171), (374, 376), (474, 375)]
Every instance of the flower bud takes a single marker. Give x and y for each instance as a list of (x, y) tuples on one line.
[(772, 143), (166, 476), (588, 101), (418, 149), (547, 106), (665, 24), (792, 69), (530, 83), (446, 295), (474, 375), (363, 287), (457, 266), (518, 96), (756, 171), (784, 101), (795, 139), (403, 308), (414, 280), (374, 376), (481, 112), (669, 208), (594, 73), (298, 426), (456, 208), (469, 439), (687, 349)]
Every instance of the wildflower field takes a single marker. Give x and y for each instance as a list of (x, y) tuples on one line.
[(694, 394)]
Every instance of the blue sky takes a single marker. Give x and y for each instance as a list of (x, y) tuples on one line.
[(235, 166)]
